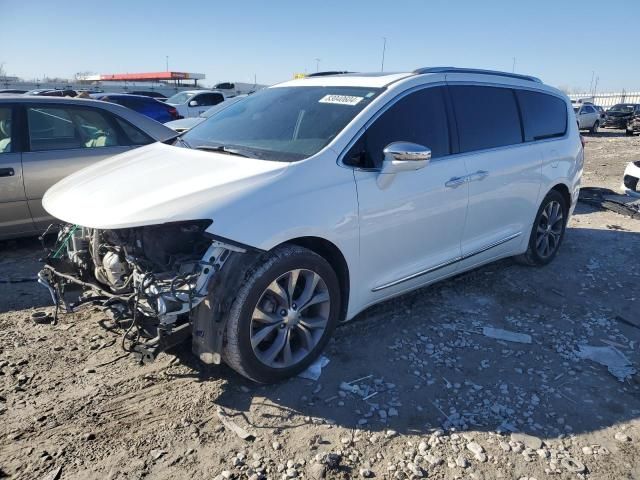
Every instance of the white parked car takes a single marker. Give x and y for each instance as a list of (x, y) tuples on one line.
[(631, 179), (587, 116), (184, 124), (295, 209), (191, 103)]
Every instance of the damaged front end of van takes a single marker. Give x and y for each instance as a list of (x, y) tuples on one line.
[(150, 280)]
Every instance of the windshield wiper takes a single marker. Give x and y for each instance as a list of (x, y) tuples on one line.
[(221, 149)]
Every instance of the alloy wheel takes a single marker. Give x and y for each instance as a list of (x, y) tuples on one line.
[(549, 229), (290, 318)]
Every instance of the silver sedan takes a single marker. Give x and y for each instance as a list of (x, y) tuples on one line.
[(43, 139)]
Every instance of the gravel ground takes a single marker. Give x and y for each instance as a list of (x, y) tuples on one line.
[(413, 388)]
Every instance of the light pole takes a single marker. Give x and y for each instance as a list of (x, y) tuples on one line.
[(317, 65), (384, 47), (513, 67)]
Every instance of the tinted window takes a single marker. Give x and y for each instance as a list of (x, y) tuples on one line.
[(135, 136), (588, 109), (420, 118), (62, 128), (543, 116), (208, 99), (487, 117), (5, 130)]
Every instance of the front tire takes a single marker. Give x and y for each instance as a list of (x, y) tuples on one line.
[(283, 315), (547, 232), (595, 127)]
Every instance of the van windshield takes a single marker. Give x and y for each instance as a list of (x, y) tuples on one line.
[(282, 123)]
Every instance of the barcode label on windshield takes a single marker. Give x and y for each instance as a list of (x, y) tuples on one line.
[(340, 99)]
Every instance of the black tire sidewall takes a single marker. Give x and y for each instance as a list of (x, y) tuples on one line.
[(257, 284), (553, 195)]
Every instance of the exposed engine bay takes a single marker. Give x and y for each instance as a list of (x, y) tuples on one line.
[(149, 279)]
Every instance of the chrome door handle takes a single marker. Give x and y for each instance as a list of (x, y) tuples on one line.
[(478, 176), (455, 182)]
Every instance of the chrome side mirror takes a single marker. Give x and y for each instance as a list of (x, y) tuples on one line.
[(193, 103), (402, 157)]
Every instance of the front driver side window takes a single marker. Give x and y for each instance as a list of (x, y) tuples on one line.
[(420, 118)]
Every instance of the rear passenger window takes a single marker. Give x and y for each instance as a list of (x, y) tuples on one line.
[(419, 117), (543, 115), (135, 136), (487, 117)]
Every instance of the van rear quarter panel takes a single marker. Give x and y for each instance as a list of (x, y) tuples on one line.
[(563, 163)]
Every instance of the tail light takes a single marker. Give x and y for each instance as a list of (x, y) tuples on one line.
[(583, 141), (174, 113)]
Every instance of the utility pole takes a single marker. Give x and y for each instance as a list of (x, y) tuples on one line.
[(384, 48), (317, 65), (167, 62), (513, 67), (591, 84)]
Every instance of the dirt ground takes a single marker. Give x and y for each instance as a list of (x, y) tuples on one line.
[(430, 395)]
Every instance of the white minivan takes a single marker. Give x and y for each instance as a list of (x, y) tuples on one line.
[(262, 228)]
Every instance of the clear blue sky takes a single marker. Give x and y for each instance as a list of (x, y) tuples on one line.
[(561, 41)]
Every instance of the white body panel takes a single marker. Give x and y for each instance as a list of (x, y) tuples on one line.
[(187, 110), (385, 234)]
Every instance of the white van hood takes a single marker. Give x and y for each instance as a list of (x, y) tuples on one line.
[(156, 184)]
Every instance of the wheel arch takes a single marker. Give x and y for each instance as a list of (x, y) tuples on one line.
[(332, 254), (564, 191)]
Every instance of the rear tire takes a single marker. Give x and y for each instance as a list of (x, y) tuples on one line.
[(547, 232), (283, 315)]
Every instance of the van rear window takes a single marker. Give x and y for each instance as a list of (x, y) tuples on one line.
[(543, 115)]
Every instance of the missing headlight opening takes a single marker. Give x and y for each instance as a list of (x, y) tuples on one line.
[(149, 279)]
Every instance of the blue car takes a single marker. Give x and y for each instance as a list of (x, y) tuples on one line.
[(152, 108)]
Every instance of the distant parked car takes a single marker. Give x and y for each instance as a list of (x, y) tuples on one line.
[(186, 124), (152, 108), (622, 116), (12, 91), (152, 94), (192, 103), (634, 123), (588, 117), (53, 92), (44, 139)]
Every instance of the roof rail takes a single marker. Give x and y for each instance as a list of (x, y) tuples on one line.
[(324, 74), (529, 78)]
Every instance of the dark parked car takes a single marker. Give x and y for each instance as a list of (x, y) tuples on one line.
[(152, 108), (53, 92), (633, 126), (12, 91), (621, 115), (147, 93)]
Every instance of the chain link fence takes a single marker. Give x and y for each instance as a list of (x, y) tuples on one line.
[(606, 100)]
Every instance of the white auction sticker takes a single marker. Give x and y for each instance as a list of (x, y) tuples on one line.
[(340, 99)]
